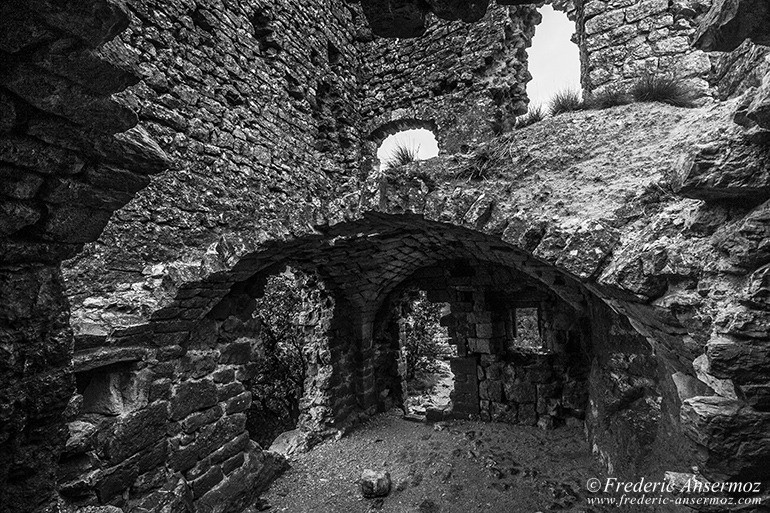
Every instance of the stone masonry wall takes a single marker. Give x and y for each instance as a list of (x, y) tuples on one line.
[(463, 78), (169, 426), (256, 103), (620, 40)]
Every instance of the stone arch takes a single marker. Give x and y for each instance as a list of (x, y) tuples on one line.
[(237, 325), (484, 300), (379, 134), (364, 261)]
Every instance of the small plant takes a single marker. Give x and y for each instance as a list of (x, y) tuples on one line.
[(568, 100), (405, 152), (480, 165), (662, 88), (609, 97), (533, 115)]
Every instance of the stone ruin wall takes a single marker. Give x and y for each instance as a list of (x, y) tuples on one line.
[(68, 179), (466, 82), (596, 368), (256, 105), (459, 80), (326, 124), (620, 40)]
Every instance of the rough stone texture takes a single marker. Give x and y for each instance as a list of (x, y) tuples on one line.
[(726, 170), (461, 81), (759, 109), (37, 384), (375, 484), (621, 41), (271, 149), (64, 171), (730, 22)]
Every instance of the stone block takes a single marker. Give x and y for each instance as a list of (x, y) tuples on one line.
[(463, 365), (240, 443), (135, 432), (207, 481), (527, 416), (229, 390), (605, 21), (194, 421), (233, 463), (190, 396), (491, 390), (645, 9), (521, 391), (375, 484), (239, 403), (485, 345)]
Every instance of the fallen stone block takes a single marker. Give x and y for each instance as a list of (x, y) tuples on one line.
[(375, 484)]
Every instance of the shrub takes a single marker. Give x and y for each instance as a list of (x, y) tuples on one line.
[(606, 98), (662, 88), (568, 100), (422, 336), (404, 153), (533, 115)]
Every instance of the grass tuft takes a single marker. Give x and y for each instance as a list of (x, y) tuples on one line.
[(405, 152), (610, 97), (569, 100), (533, 115), (663, 88)]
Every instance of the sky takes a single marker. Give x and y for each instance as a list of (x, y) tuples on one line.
[(554, 60), (419, 138), (554, 63)]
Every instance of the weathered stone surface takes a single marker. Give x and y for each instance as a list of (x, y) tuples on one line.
[(759, 110), (725, 170), (192, 396), (375, 483), (747, 244), (730, 22), (734, 435), (395, 18), (51, 93)]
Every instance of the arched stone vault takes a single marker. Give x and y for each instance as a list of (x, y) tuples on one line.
[(363, 261), (72, 171)]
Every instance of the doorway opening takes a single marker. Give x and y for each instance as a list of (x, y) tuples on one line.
[(425, 354)]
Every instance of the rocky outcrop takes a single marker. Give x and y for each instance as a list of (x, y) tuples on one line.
[(663, 269), (759, 109), (730, 22), (69, 157), (726, 170)]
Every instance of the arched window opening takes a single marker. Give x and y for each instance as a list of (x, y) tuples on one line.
[(426, 352), (553, 59), (407, 146)]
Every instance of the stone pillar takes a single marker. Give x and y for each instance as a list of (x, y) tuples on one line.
[(35, 383), (465, 397)]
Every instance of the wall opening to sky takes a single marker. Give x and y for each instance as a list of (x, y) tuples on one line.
[(419, 141), (553, 59)]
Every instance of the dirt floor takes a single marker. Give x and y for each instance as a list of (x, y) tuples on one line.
[(455, 467)]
